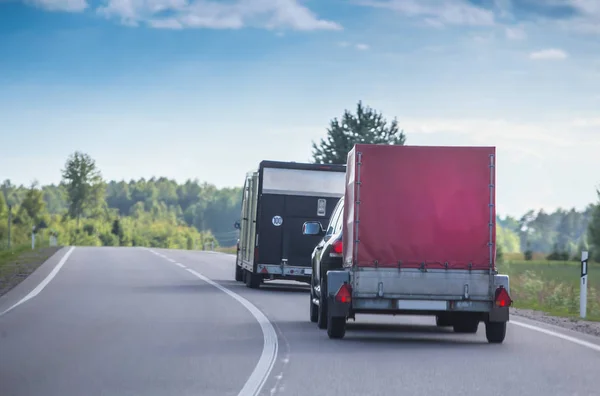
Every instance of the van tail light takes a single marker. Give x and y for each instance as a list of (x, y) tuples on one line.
[(344, 294), (336, 249), (502, 297)]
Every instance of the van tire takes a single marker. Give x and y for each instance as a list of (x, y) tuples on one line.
[(322, 316), (314, 309)]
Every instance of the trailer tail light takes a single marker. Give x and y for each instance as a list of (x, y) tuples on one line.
[(344, 294), (502, 297), (336, 249)]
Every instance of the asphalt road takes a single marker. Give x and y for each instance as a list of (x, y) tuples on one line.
[(127, 321)]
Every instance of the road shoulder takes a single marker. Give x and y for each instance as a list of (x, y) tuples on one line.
[(32, 280), (572, 324), (570, 334)]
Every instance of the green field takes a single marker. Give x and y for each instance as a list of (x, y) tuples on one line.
[(228, 249), (552, 286)]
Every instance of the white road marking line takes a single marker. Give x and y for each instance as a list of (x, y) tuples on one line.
[(265, 364), (179, 265), (583, 343), (44, 283), (171, 260)]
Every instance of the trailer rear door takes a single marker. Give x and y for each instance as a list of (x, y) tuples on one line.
[(289, 198)]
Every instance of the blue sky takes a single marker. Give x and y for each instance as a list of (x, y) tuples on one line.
[(206, 89)]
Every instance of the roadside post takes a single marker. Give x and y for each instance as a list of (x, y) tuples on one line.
[(583, 292), (9, 223), (32, 237)]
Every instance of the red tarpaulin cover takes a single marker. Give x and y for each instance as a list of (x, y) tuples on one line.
[(419, 204)]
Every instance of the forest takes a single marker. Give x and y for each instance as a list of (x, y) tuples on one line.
[(86, 210), (156, 212), (162, 212)]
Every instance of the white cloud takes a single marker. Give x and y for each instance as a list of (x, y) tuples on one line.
[(519, 136), (269, 14), (358, 46), (548, 54), (455, 12), (587, 123), (515, 33), (589, 18), (483, 38), (59, 5)]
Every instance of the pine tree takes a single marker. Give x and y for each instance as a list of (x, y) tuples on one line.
[(367, 126)]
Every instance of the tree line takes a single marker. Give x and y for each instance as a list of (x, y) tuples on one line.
[(159, 212), (85, 210)]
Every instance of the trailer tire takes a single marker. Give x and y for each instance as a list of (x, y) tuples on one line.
[(322, 312), (443, 320), (239, 273), (336, 327), (252, 280), (495, 332), (466, 326)]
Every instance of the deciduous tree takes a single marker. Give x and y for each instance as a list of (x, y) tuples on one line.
[(84, 184)]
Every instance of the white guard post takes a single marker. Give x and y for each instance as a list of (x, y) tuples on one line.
[(583, 293)]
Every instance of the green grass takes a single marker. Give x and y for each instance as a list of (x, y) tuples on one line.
[(19, 262), (228, 249), (552, 286)]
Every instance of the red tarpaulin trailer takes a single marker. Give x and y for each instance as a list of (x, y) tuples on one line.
[(413, 206)]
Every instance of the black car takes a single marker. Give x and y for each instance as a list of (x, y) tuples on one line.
[(327, 255)]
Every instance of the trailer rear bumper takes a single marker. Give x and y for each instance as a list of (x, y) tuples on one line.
[(487, 309), (395, 302), (284, 270)]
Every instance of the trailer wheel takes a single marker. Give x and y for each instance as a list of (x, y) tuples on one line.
[(239, 273), (443, 320), (495, 332), (252, 280), (336, 327), (322, 317), (466, 326), (314, 309)]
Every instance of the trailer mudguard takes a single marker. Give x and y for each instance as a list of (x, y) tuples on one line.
[(500, 314), (335, 279)]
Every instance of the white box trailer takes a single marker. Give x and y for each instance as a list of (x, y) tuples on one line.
[(277, 199)]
